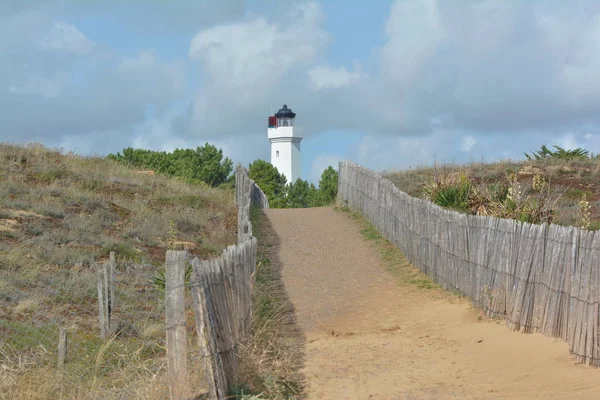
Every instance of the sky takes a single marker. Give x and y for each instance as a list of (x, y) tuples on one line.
[(388, 84)]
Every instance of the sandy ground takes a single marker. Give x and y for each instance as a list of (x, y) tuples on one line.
[(369, 337)]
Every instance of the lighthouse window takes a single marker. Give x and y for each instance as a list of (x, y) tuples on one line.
[(277, 153), (285, 121)]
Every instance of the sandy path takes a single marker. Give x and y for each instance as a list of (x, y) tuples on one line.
[(367, 337)]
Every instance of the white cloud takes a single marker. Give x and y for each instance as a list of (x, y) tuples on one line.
[(156, 133), (489, 66), (256, 53), (251, 65), (385, 152), (149, 62), (327, 77), (393, 153), (593, 143), (415, 30), (243, 149), (450, 79), (37, 85), (320, 164), (67, 38), (468, 142), (567, 142), (51, 95)]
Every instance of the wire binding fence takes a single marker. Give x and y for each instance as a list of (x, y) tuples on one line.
[(540, 278)]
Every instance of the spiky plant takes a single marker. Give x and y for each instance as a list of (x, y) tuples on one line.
[(560, 154)]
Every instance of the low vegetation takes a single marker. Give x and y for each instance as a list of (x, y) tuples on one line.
[(392, 258), (561, 187), (59, 215), (271, 362), (205, 164)]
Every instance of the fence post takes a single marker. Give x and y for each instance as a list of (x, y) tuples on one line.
[(203, 328), (106, 296), (102, 315), (176, 264), (111, 288), (62, 346)]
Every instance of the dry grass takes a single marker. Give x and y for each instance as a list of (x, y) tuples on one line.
[(59, 214), (568, 181), (24, 378), (270, 363)]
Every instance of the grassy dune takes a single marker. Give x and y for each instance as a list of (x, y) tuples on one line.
[(59, 215), (567, 182)]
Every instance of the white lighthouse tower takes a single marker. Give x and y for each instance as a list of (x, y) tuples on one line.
[(285, 143)]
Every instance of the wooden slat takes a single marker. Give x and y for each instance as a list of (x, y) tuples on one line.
[(222, 295), (102, 317), (175, 266), (112, 266), (62, 347)]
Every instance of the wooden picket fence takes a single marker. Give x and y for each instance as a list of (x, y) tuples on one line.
[(247, 193), (222, 300), (540, 278), (222, 304)]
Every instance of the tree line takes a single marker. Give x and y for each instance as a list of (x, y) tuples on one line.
[(207, 165), (204, 164), (298, 194)]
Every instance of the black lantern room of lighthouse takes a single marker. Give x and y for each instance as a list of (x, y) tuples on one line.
[(284, 117)]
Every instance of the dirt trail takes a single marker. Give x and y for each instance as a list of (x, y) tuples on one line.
[(369, 337)]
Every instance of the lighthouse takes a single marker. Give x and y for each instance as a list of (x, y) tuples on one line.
[(285, 143)]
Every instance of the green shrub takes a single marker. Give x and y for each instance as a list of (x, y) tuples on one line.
[(121, 249), (498, 192), (203, 164), (560, 154), (500, 199), (454, 197), (451, 193)]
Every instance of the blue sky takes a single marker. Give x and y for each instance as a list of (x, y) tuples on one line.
[(388, 84)]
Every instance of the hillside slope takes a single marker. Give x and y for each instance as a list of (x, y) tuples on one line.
[(59, 214)]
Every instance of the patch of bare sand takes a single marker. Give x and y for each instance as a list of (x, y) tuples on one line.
[(13, 223), (8, 225), (370, 338)]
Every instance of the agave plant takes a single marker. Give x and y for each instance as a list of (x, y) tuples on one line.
[(501, 199), (575, 154), (449, 192), (158, 280), (542, 153), (560, 154)]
